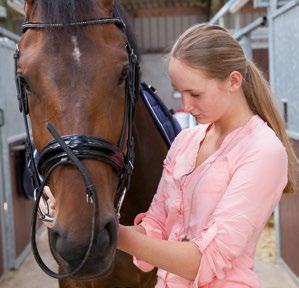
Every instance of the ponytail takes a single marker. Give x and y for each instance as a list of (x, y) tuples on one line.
[(261, 102), (212, 49)]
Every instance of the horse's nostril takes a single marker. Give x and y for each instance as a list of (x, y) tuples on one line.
[(54, 236), (107, 236)]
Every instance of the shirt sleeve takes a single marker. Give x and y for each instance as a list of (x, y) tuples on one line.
[(251, 196), (153, 220)]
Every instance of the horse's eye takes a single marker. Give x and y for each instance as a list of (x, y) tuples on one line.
[(123, 75), (25, 86)]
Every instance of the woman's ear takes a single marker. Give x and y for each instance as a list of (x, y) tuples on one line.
[(235, 79)]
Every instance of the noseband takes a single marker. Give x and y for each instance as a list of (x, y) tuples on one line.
[(71, 149)]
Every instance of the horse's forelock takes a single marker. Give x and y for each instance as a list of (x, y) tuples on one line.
[(68, 11), (65, 11)]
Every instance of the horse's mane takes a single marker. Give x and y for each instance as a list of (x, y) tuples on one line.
[(67, 11)]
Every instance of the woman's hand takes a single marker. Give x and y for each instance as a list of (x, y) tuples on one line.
[(51, 206), (180, 258)]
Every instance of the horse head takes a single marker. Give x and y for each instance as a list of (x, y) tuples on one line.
[(76, 78)]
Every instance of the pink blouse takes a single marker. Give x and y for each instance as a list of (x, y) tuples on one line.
[(222, 205)]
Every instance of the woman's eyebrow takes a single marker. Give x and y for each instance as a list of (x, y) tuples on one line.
[(173, 86), (187, 90)]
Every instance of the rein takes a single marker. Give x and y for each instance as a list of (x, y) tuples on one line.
[(71, 149)]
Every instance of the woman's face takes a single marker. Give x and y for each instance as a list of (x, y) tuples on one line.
[(206, 99)]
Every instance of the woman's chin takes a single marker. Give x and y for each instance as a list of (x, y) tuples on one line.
[(201, 120)]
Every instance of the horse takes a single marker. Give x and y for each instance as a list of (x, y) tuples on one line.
[(74, 76)]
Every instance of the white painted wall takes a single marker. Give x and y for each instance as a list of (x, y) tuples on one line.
[(154, 72)]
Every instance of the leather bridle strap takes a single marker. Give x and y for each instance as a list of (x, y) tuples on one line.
[(90, 188), (23, 107), (84, 147), (92, 198), (38, 25)]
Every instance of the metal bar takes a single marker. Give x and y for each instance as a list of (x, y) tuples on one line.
[(237, 6), (285, 8), (9, 215), (3, 209), (251, 27), (12, 36), (225, 8), (2, 121), (272, 6), (277, 231), (270, 10), (266, 3), (285, 111)]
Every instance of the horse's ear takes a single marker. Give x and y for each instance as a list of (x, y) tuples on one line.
[(29, 2), (28, 6), (108, 5)]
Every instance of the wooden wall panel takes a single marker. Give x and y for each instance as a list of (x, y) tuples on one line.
[(261, 58), (156, 34), (289, 225)]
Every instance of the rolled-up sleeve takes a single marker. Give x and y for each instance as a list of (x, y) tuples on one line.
[(254, 190), (153, 221)]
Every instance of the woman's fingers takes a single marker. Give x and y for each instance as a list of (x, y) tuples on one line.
[(43, 206), (48, 206), (48, 192), (50, 201), (51, 204)]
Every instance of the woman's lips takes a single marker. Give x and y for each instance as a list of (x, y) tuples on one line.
[(196, 115)]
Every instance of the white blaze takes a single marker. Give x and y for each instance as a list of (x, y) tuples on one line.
[(76, 52)]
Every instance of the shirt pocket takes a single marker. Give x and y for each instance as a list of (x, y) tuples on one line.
[(215, 178)]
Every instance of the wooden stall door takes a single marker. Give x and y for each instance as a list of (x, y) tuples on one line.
[(22, 206)]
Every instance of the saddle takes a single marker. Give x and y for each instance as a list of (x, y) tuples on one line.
[(167, 125)]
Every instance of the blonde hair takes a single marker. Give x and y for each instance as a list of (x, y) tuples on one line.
[(214, 51)]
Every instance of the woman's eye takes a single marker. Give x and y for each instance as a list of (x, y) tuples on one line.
[(195, 95), (25, 86)]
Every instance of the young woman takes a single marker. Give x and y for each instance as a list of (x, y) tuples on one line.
[(220, 181)]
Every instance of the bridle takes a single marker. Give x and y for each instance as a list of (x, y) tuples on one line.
[(71, 149)]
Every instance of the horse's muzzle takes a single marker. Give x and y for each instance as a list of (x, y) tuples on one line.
[(69, 250)]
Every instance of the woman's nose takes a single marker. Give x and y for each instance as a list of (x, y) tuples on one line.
[(187, 104)]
